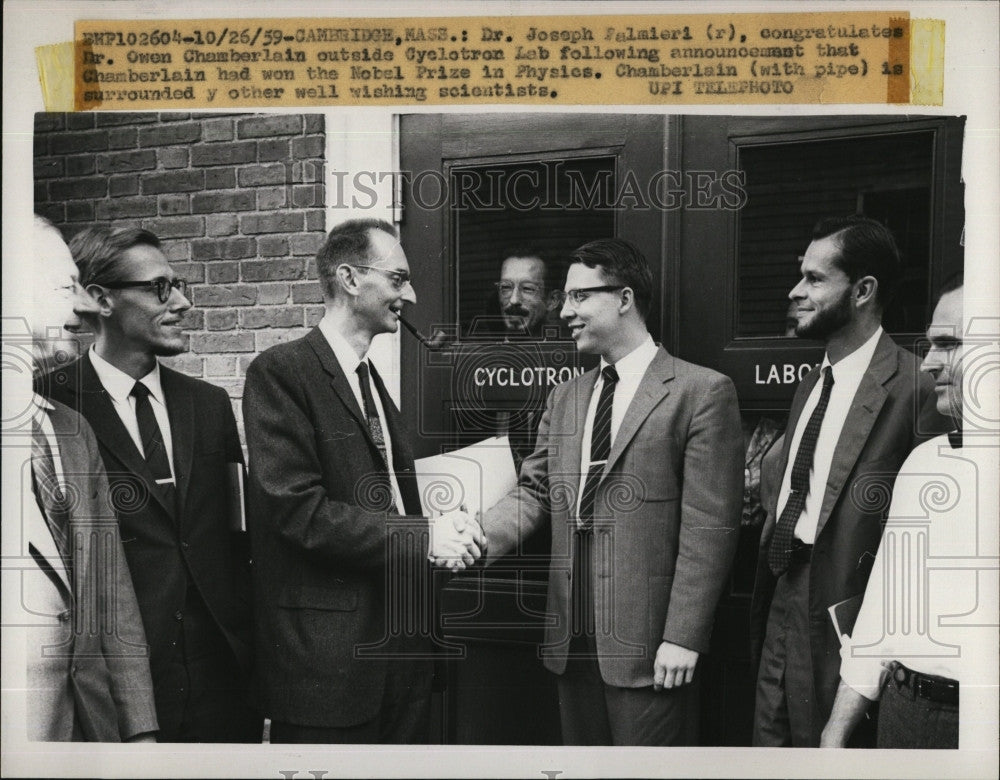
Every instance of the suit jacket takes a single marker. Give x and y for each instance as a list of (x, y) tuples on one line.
[(892, 412), (162, 541), (321, 515), (670, 500), (88, 662)]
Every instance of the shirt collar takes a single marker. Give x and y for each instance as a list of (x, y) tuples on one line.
[(119, 384), (342, 350), (858, 361), (40, 402), (635, 362)]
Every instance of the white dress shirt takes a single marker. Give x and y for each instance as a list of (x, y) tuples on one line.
[(931, 601), (349, 362), (847, 375), (631, 369), (40, 412), (119, 386)]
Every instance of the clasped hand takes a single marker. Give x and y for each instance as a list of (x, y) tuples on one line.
[(457, 540)]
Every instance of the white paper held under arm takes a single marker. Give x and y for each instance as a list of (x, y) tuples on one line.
[(475, 477)]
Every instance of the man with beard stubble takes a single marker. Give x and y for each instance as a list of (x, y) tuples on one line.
[(169, 443), (528, 291), (852, 423)]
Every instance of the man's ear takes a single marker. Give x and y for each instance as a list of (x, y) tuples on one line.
[(553, 300), (627, 300), (865, 289), (347, 279), (102, 301)]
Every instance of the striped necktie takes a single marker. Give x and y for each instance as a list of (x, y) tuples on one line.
[(600, 446)]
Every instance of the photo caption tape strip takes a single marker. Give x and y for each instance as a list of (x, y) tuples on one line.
[(781, 58)]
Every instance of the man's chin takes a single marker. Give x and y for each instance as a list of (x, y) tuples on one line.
[(171, 348)]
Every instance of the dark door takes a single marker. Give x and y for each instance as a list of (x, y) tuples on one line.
[(473, 185), (740, 262)]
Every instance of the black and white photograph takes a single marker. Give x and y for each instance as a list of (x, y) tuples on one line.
[(476, 442)]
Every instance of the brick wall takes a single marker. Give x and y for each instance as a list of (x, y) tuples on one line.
[(236, 199)]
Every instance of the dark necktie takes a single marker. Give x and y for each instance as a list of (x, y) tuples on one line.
[(49, 493), (153, 448), (779, 555), (371, 412), (600, 446)]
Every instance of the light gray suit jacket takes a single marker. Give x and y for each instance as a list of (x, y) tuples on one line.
[(666, 519), (87, 659)]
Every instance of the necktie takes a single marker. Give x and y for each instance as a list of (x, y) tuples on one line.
[(49, 493), (153, 448), (600, 446), (779, 556), (371, 412)]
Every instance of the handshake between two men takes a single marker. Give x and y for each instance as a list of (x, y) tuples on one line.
[(457, 540)]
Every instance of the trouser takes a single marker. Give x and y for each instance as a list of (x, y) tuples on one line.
[(403, 717), (911, 716), (785, 713), (592, 712)]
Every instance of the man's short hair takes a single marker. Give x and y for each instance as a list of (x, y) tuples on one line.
[(554, 273), (622, 263), (867, 248), (97, 251), (349, 242), (954, 282)]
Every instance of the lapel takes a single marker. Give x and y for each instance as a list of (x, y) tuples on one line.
[(180, 411), (98, 409), (338, 380), (39, 535), (653, 388), (572, 446), (41, 545), (861, 418)]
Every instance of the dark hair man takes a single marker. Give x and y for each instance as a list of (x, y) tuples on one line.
[(170, 443), (914, 669), (528, 290), (637, 472), (332, 484), (851, 430), (87, 660)]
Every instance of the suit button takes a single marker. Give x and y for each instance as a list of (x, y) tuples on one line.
[(185, 545), (178, 615), (73, 671)]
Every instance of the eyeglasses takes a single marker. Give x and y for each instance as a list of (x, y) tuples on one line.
[(527, 289), (161, 284), (580, 294), (398, 279)]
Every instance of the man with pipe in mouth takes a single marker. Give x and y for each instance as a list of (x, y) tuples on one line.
[(340, 543)]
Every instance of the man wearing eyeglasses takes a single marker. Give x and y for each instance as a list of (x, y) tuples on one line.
[(637, 472), (169, 443), (528, 291), (340, 541)]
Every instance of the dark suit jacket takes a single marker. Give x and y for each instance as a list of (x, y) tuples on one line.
[(671, 494), (88, 662), (321, 516), (205, 440), (892, 412)]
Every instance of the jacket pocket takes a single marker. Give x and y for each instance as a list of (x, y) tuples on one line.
[(315, 597)]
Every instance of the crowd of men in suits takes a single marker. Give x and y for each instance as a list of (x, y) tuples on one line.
[(323, 620)]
